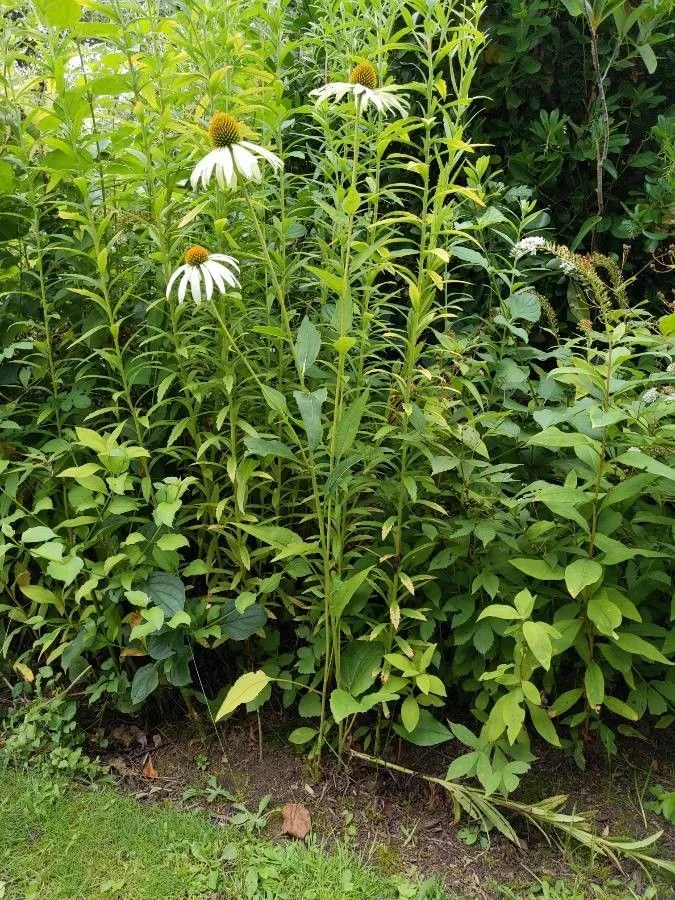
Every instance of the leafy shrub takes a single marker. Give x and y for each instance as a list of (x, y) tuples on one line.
[(379, 475)]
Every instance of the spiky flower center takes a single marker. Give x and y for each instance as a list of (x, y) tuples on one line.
[(224, 130), (195, 256), (365, 75)]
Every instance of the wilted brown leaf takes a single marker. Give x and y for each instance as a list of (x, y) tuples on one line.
[(297, 821), (148, 769)]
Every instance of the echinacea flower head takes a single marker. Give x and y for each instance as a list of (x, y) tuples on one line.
[(215, 270), (231, 157), (362, 86)]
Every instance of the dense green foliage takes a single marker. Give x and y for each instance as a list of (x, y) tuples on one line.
[(387, 475)]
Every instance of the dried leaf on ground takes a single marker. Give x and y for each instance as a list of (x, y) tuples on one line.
[(148, 769), (296, 820)]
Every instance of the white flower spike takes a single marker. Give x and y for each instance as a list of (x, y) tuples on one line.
[(231, 157), (362, 85), (214, 269)]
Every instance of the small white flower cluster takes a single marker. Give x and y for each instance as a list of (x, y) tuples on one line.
[(528, 245), (568, 267), (650, 396)]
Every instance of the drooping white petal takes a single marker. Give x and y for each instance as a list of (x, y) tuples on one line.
[(221, 257), (224, 273), (266, 154), (182, 288), (195, 284), (208, 164), (225, 170), (215, 270), (173, 278), (336, 89), (245, 162), (208, 281)]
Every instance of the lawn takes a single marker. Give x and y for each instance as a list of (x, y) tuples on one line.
[(68, 842)]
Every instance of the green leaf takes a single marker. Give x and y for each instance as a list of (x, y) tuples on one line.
[(648, 57), (639, 460), (145, 681), (65, 570), (594, 684), (605, 615), (256, 446), (462, 733), (166, 591), (245, 689), (343, 704), (636, 645), (543, 725), (59, 13), (239, 626), (429, 731), (580, 574), (307, 344), (349, 423), (462, 766), (538, 568), (360, 665), (524, 305), (565, 702), (620, 708), (410, 713), (302, 735), (310, 409), (461, 251), (499, 611), (39, 594), (538, 640), (554, 437), (172, 542), (343, 592), (154, 619), (37, 534)]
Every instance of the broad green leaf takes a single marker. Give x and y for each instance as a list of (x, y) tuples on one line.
[(360, 665), (461, 251), (538, 568), (543, 725), (462, 766), (636, 645), (145, 681), (499, 611), (538, 640), (166, 591), (172, 542), (37, 534), (343, 704), (428, 733), (39, 594), (621, 709), (554, 437), (65, 570), (342, 592), (302, 735), (580, 574), (310, 406), (565, 702), (524, 305), (256, 446), (307, 344), (605, 615), (59, 13), (463, 734), (239, 626), (410, 713), (246, 688), (594, 684)]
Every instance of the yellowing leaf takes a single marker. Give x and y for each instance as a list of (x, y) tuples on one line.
[(245, 689)]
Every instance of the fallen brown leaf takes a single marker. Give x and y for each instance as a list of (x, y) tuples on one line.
[(148, 769), (297, 821), (117, 764)]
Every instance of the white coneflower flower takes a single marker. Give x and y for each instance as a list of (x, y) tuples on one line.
[(231, 156), (362, 85), (650, 396), (215, 269), (528, 245)]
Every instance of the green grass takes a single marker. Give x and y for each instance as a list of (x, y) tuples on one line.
[(65, 842)]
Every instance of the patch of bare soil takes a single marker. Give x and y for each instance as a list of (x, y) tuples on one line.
[(396, 823)]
